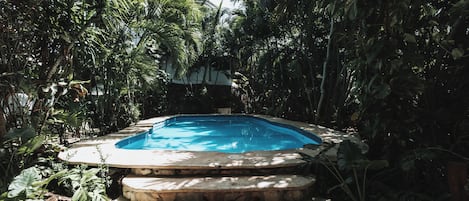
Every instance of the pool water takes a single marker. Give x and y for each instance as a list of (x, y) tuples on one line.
[(220, 133)]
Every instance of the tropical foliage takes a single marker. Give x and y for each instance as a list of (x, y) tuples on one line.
[(70, 65), (392, 71)]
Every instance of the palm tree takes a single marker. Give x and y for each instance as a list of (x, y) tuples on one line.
[(125, 51)]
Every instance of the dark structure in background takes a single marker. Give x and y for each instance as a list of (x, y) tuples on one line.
[(197, 98), (202, 90)]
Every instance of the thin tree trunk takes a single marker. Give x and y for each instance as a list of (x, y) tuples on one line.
[(206, 69), (310, 93), (3, 122), (304, 42), (324, 69)]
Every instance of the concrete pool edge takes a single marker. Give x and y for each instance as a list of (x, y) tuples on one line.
[(102, 150)]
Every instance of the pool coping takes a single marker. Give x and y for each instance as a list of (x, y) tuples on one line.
[(101, 150)]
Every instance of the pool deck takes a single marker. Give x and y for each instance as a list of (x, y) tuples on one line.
[(102, 151), (209, 176)]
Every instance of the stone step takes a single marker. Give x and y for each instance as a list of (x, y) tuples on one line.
[(260, 188), (227, 171)]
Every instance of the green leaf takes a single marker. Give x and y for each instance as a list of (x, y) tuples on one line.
[(351, 9), (66, 37), (374, 51), (457, 53), (378, 164), (409, 38), (23, 133), (98, 195), (433, 22), (79, 82), (349, 156), (24, 182), (32, 145), (80, 194), (382, 91), (46, 182), (407, 162), (70, 76), (334, 187), (349, 180)]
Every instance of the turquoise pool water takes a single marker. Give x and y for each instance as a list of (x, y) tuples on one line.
[(220, 133)]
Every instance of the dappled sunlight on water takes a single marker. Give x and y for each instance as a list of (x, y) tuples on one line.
[(229, 134)]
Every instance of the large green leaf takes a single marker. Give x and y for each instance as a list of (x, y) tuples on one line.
[(457, 53), (375, 49), (350, 156), (25, 133), (378, 164), (97, 195), (382, 91), (408, 161), (80, 194), (32, 145), (73, 82), (351, 9), (24, 183), (409, 38)]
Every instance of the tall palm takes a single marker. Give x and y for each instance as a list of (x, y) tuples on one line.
[(211, 27), (134, 37)]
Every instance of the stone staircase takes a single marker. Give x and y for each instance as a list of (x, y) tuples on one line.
[(285, 183)]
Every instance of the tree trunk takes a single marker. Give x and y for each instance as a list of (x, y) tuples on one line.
[(310, 92), (206, 70), (3, 123), (324, 70)]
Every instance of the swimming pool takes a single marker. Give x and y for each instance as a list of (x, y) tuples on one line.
[(219, 133)]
